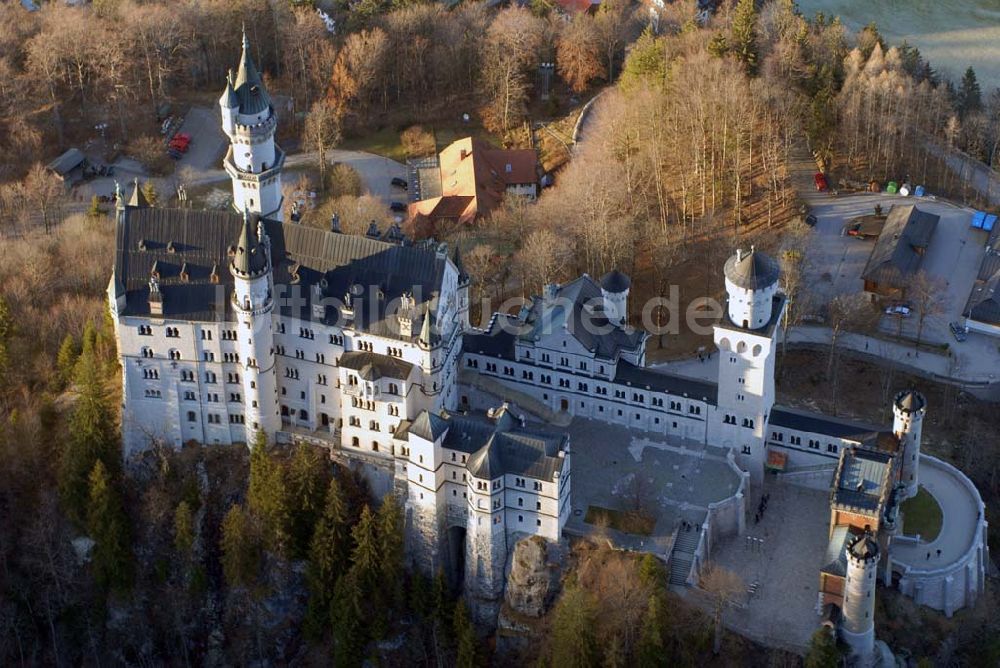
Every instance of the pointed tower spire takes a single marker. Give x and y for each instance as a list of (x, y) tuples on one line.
[(250, 259), (138, 199), (425, 328)]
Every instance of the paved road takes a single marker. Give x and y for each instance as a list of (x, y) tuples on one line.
[(958, 529)]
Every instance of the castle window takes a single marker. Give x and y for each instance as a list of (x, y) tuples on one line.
[(830, 447), (192, 417), (520, 518), (146, 330)]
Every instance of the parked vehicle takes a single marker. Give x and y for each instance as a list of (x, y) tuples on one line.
[(400, 183), (960, 332), (811, 220), (900, 310), (397, 206), (821, 184)]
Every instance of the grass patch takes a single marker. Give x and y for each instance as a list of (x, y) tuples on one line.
[(922, 515), (385, 142), (626, 521)]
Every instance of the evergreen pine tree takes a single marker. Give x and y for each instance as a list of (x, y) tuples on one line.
[(743, 39), (240, 551), (267, 497), (652, 574), (329, 552), (346, 615), (646, 63), (307, 483), (650, 650), (823, 651), (183, 529), (66, 360), (465, 637), (108, 527), (366, 571), (390, 538), (970, 96), (574, 644), (92, 435)]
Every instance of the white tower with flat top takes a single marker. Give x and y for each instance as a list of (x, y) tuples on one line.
[(254, 160), (858, 625), (253, 302), (908, 409)]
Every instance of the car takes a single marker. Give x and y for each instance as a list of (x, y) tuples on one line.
[(400, 183), (811, 220), (901, 310), (820, 179), (960, 332), (397, 206)]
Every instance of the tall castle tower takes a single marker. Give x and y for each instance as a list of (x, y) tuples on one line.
[(253, 161), (858, 625), (908, 410), (746, 338), (253, 302)]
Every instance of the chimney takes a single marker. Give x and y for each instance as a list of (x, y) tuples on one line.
[(318, 307), (155, 297)]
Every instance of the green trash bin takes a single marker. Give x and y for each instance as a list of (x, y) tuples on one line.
[(892, 188)]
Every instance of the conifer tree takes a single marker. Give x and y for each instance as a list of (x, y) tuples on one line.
[(970, 96), (267, 497), (365, 562), (329, 552), (240, 551), (108, 527), (574, 644), (650, 650), (823, 651), (346, 615), (366, 570), (646, 63), (92, 435), (743, 40), (66, 360), (465, 636), (390, 535), (183, 529), (307, 484)]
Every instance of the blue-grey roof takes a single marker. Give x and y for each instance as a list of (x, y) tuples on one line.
[(817, 423), (752, 270), (372, 366), (615, 281), (498, 445), (303, 257), (835, 561), (249, 86), (657, 381), (428, 426), (863, 480)]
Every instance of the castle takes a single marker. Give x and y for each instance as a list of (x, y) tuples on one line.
[(231, 324)]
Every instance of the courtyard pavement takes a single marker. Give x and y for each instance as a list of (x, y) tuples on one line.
[(784, 564), (677, 479)]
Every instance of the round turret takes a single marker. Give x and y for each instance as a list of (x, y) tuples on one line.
[(858, 621), (908, 409), (751, 282), (614, 290)]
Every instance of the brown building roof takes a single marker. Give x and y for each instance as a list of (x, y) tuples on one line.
[(474, 178), (897, 253)]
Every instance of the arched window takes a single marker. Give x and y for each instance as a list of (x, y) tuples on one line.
[(192, 417)]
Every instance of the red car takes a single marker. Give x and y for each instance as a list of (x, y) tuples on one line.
[(820, 180)]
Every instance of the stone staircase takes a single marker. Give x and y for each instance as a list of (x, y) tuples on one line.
[(682, 556)]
